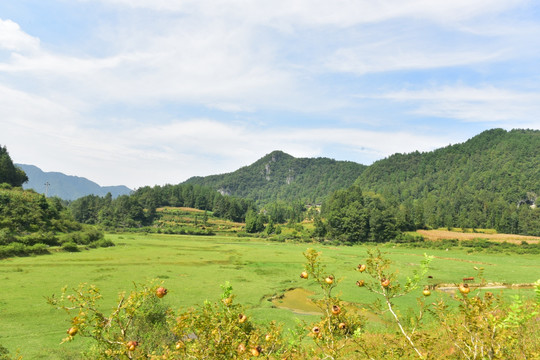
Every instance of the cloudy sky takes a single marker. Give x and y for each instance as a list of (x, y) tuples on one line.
[(145, 92)]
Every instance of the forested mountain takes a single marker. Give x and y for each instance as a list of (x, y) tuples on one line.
[(67, 187), (491, 180), (279, 176)]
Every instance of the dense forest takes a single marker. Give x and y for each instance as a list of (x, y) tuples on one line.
[(281, 177), (490, 181)]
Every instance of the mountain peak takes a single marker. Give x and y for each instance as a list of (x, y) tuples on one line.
[(280, 176), (276, 155)]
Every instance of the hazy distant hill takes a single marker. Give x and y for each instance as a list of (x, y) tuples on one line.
[(279, 176), (67, 187)]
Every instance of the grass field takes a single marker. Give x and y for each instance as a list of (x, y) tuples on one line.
[(194, 267)]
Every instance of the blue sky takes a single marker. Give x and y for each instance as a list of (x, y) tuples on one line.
[(145, 92)]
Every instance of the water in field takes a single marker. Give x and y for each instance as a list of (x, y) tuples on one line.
[(298, 301)]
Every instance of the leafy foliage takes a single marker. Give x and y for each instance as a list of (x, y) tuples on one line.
[(30, 223), (254, 222), (142, 326), (334, 334), (484, 328), (353, 217), (490, 181), (9, 173)]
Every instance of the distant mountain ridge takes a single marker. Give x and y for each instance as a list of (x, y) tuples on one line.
[(66, 187), (493, 162), (280, 176)]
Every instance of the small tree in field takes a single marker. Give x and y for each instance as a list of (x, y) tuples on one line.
[(384, 282), (333, 334)]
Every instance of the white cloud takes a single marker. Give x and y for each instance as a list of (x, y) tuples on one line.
[(246, 57), (474, 104), (383, 58), (224, 54), (190, 63), (340, 13), (14, 39)]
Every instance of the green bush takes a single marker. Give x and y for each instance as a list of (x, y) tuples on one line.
[(47, 238), (39, 249), (16, 249), (101, 243), (409, 238), (6, 237), (86, 237), (70, 247), (142, 326)]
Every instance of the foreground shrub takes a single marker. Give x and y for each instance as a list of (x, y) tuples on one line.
[(485, 327), (143, 326), (222, 330), (333, 335), (4, 354)]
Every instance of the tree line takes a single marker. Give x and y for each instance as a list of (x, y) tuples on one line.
[(139, 208)]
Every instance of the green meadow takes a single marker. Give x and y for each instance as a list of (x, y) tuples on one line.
[(192, 268)]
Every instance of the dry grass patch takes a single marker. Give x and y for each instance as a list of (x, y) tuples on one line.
[(187, 209), (446, 235)]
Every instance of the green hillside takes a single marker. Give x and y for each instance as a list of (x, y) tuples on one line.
[(279, 176), (491, 180), (32, 224)]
